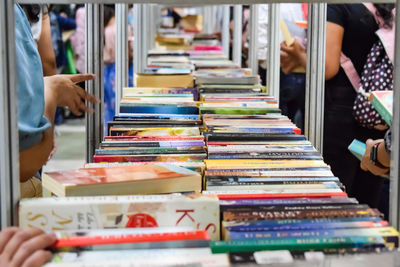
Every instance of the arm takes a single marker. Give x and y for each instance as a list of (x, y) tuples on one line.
[(59, 90), (45, 48), (334, 39), (382, 155), (25, 247)]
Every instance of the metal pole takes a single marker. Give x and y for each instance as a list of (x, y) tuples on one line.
[(395, 155), (9, 150), (315, 76), (139, 58), (237, 35), (253, 39), (94, 64), (121, 52), (273, 58), (153, 23), (225, 30)]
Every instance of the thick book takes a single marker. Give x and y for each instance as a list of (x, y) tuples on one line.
[(164, 80), (71, 213), (382, 101), (124, 180)]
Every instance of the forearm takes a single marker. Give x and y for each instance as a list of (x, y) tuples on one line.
[(45, 48)]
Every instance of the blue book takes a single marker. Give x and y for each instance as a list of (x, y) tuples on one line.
[(255, 226), (161, 109), (357, 148)]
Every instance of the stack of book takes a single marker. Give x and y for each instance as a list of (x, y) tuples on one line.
[(155, 125)]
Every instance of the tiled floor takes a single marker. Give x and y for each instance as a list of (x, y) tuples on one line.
[(70, 141)]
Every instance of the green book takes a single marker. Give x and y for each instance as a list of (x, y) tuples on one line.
[(298, 244), (357, 148), (382, 101)]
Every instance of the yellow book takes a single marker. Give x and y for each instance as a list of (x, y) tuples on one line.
[(164, 80), (289, 41)]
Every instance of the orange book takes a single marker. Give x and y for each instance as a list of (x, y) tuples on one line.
[(126, 180)]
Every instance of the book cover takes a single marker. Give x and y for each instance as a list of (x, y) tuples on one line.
[(123, 180), (71, 213), (357, 148), (382, 101), (164, 80)]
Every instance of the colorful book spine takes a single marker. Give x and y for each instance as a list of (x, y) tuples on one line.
[(382, 101), (295, 244)]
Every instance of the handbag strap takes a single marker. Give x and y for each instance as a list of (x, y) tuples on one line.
[(350, 71)]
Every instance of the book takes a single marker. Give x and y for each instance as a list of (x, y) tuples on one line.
[(295, 244), (71, 213), (267, 194), (140, 257), (149, 157), (299, 214), (155, 131), (163, 80), (382, 101), (116, 239), (357, 148), (304, 224), (123, 180), (389, 234)]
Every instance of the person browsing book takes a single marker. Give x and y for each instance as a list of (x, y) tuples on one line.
[(350, 30), (25, 248), (38, 99)]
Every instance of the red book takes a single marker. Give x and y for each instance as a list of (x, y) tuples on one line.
[(90, 240)]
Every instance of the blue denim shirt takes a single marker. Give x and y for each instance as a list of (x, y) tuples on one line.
[(30, 85)]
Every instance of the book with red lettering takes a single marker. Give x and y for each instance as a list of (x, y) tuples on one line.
[(103, 212), (123, 180)]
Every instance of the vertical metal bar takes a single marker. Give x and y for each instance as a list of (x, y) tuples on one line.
[(94, 64), (225, 30), (9, 151), (253, 39), (237, 34), (395, 155), (315, 76), (153, 22), (273, 58), (139, 58), (209, 14), (121, 52)]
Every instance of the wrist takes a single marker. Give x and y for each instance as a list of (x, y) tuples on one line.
[(374, 156)]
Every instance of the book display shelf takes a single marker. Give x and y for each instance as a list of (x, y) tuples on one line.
[(145, 30)]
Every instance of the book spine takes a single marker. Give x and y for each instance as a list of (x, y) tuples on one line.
[(295, 244), (298, 214)]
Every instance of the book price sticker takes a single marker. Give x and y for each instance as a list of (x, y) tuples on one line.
[(315, 256), (273, 257)]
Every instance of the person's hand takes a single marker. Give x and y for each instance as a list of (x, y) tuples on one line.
[(292, 56), (367, 164), (67, 94), (381, 127), (24, 247)]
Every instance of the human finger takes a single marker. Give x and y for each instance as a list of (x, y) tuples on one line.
[(77, 78), (85, 108), (38, 258), (18, 239), (6, 235), (32, 246)]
